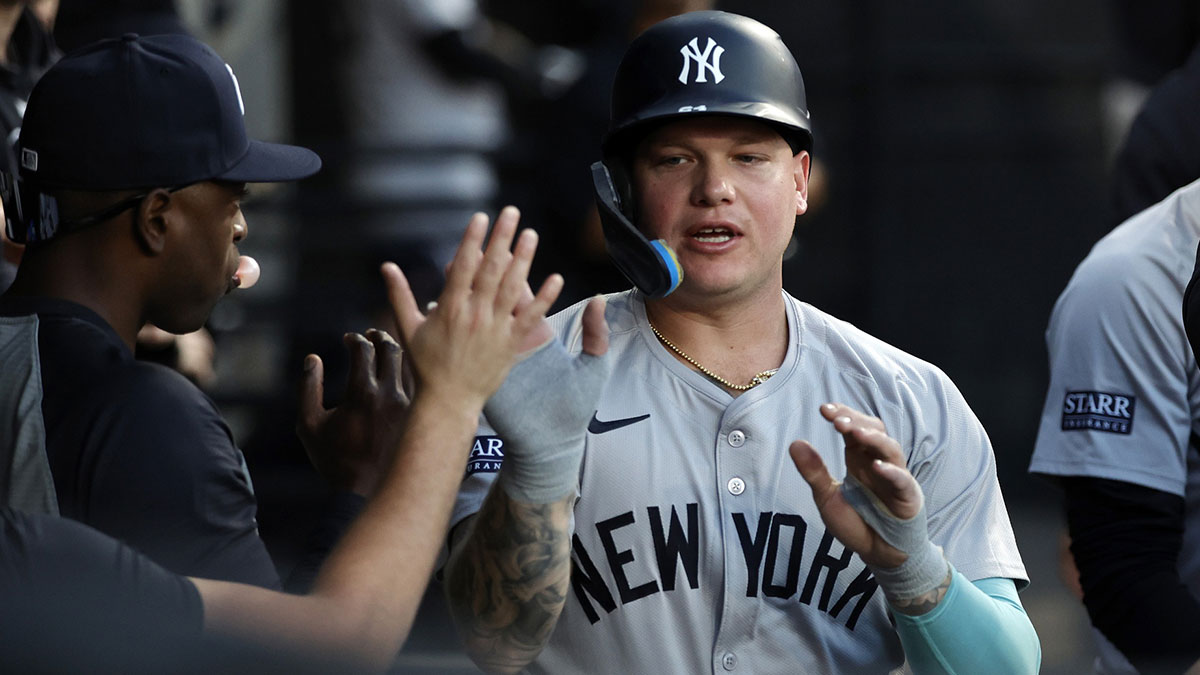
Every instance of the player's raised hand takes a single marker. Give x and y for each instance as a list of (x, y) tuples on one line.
[(352, 444), (466, 344), (879, 512), (876, 462), (875, 459)]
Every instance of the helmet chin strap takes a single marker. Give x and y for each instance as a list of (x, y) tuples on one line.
[(649, 265)]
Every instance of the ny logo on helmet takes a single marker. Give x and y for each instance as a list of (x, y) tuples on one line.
[(691, 52)]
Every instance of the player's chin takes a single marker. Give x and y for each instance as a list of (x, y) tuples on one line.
[(716, 277), (185, 321)]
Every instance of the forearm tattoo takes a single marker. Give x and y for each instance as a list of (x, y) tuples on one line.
[(508, 584), (924, 603)]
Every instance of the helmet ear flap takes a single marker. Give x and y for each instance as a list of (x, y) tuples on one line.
[(650, 265), (622, 182)]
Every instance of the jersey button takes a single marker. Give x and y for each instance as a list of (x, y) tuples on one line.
[(736, 486), (737, 438), (729, 661)]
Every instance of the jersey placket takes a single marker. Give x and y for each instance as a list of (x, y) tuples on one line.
[(743, 492)]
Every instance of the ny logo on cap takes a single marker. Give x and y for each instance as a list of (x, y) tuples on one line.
[(691, 52)]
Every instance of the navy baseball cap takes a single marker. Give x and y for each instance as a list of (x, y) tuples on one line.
[(146, 111)]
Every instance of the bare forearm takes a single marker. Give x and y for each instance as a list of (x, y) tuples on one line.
[(507, 581), (363, 602), (396, 539)]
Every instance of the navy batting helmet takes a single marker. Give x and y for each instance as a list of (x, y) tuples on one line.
[(708, 63)]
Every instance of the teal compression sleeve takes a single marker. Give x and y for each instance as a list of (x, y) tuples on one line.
[(978, 628)]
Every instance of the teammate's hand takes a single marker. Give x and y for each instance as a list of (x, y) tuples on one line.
[(464, 347), (877, 462), (352, 444)]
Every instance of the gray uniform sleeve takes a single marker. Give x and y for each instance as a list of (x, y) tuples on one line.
[(1117, 406), (952, 458)]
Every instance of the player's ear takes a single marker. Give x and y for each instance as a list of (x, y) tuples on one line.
[(151, 221), (801, 164)]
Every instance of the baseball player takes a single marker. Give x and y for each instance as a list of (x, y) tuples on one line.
[(651, 520), (1118, 432), (130, 209)]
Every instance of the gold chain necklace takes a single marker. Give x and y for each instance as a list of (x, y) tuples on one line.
[(754, 381)]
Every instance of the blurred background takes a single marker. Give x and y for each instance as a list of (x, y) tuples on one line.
[(965, 155)]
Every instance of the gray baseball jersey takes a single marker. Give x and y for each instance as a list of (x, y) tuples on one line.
[(1124, 394), (697, 546)]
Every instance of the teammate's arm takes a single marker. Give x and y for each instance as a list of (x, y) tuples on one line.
[(945, 622), (365, 598), (367, 594), (509, 567)]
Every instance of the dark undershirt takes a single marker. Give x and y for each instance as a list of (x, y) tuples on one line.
[(1126, 541)]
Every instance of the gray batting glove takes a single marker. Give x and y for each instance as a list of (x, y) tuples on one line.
[(542, 411)]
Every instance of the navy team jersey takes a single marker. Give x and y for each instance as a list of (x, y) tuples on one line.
[(135, 449)]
